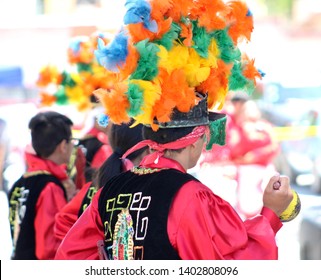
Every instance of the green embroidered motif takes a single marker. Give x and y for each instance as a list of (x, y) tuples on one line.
[(123, 242), (17, 210), (90, 194), (123, 201)]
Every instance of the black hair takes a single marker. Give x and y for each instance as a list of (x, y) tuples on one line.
[(48, 129), (240, 97), (121, 138), (166, 135)]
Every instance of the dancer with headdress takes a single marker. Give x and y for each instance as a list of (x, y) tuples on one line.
[(175, 62)]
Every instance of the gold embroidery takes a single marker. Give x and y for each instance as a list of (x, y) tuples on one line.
[(144, 170), (34, 173)]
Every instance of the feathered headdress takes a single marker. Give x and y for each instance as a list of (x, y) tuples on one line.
[(167, 51), (75, 84)]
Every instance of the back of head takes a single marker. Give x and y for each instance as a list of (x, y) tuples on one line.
[(240, 96), (166, 135), (48, 129), (121, 138)]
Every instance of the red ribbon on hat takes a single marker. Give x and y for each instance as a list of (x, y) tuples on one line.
[(180, 143)]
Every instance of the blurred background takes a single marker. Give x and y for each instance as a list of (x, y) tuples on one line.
[(286, 44)]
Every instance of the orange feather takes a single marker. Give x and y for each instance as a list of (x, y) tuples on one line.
[(49, 74), (130, 63), (180, 9), (241, 25), (47, 99), (138, 32), (187, 33), (115, 103), (210, 14), (251, 72), (175, 93), (84, 106), (216, 84), (160, 8)]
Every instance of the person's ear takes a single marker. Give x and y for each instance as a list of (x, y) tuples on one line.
[(195, 144), (62, 146)]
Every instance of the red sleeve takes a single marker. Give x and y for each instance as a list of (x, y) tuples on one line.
[(273, 219), (201, 225), (101, 155), (50, 202), (80, 243), (69, 213)]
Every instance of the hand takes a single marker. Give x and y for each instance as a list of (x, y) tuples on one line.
[(70, 188), (80, 164), (277, 194)]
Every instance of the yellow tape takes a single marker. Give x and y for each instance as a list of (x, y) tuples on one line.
[(295, 132)]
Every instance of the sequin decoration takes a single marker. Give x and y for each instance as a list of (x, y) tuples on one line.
[(123, 242)]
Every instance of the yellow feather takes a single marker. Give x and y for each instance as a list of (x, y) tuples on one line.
[(163, 58), (194, 70), (196, 75), (213, 54), (178, 57), (76, 77), (219, 101), (152, 93), (75, 94), (135, 123)]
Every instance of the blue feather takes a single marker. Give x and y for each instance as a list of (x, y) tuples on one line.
[(75, 43), (249, 13), (262, 73), (152, 26), (102, 120), (139, 11), (75, 46), (114, 54)]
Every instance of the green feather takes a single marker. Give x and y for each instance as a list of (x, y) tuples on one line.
[(61, 96), (201, 40), (169, 37), (250, 87), (236, 79), (135, 98), (147, 68), (84, 67), (228, 52), (67, 80)]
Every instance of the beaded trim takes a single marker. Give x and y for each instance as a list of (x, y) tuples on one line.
[(144, 170)]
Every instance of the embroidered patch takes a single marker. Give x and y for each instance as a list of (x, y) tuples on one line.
[(17, 211), (123, 242)]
